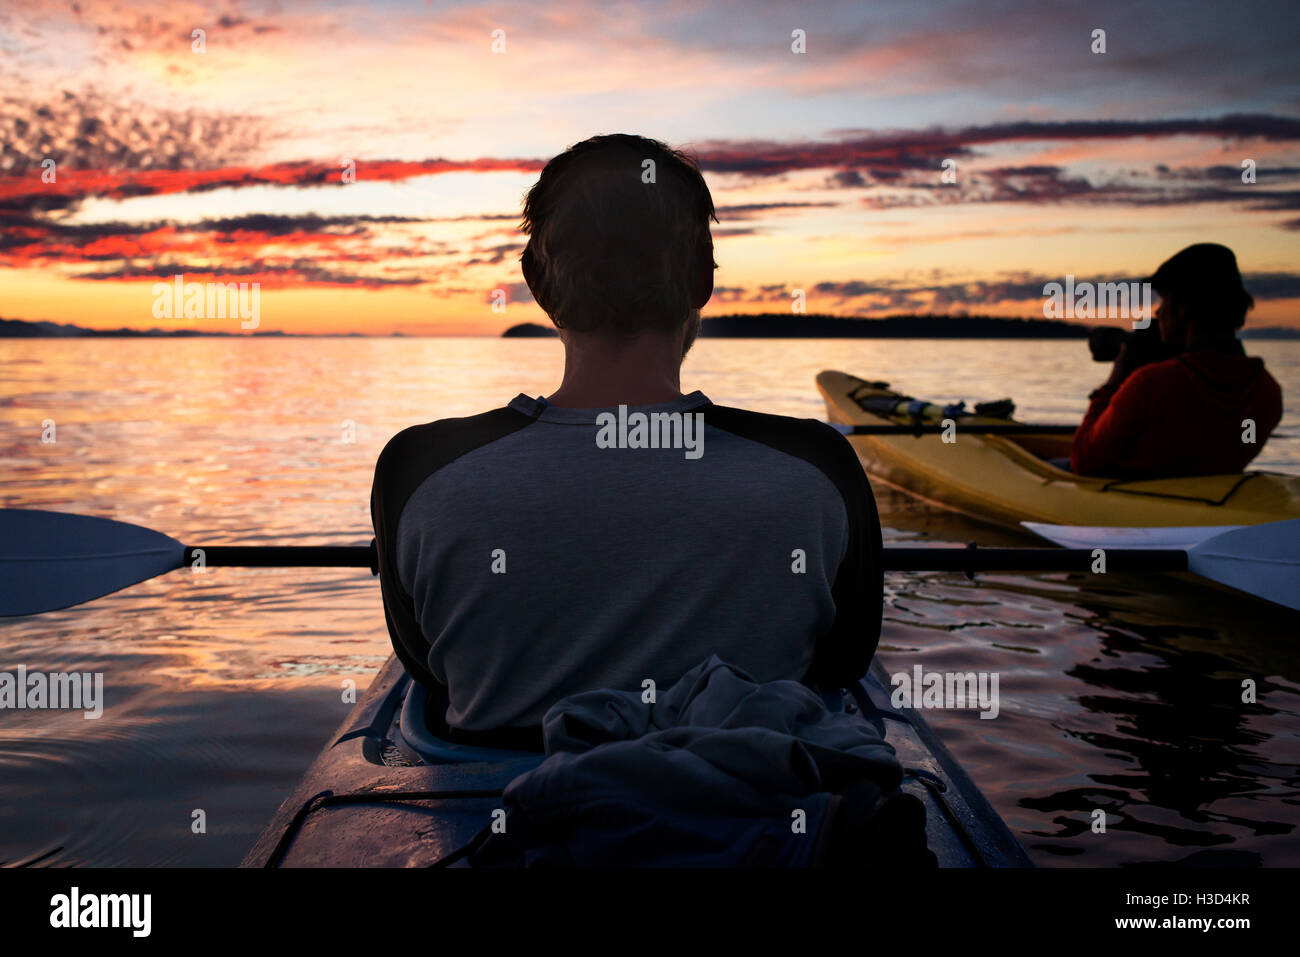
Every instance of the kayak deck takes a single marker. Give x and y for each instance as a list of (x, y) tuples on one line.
[(372, 800), (1009, 480)]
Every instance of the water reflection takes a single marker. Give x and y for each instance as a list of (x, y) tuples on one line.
[(1124, 698), (220, 688)]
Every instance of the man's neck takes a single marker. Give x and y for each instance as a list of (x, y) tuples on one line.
[(599, 373)]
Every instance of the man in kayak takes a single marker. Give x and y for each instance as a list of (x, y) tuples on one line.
[(618, 532), (1206, 411)]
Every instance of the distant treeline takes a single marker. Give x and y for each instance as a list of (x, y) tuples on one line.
[(789, 326), (908, 326), (764, 326), (785, 325), (24, 329)]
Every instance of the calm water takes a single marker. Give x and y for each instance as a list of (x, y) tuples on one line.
[(221, 687)]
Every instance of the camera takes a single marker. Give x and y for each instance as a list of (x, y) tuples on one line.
[(1144, 345)]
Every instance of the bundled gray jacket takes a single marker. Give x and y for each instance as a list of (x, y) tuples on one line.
[(717, 770)]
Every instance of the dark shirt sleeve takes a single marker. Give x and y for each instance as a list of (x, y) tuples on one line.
[(843, 655), (392, 486), (407, 460)]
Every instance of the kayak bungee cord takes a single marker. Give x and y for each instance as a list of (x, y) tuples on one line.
[(330, 799)]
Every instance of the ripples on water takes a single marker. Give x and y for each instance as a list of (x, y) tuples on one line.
[(1124, 697), (220, 688)]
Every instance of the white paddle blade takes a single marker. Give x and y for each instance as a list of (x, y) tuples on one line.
[(51, 560), (1263, 560), (1117, 536)]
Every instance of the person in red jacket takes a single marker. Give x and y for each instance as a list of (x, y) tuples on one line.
[(1206, 411)]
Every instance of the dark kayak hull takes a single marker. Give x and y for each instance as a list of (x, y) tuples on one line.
[(370, 799)]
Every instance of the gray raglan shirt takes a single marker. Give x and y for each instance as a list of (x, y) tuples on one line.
[(533, 552)]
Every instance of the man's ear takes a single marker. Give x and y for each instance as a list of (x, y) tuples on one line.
[(702, 291)]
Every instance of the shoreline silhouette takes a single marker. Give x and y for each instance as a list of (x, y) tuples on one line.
[(735, 326)]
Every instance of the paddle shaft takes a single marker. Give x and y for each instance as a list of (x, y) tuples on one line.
[(967, 428), (920, 429), (897, 558), (285, 556), (938, 559)]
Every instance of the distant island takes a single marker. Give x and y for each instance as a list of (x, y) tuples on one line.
[(530, 330), (906, 326), (761, 326), (1269, 332), (903, 326), (22, 329), (816, 326), (25, 329)]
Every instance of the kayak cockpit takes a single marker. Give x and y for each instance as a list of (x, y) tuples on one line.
[(388, 793), (412, 729)]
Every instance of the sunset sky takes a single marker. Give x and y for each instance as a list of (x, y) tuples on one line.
[(225, 165)]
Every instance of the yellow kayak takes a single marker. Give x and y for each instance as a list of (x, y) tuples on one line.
[(1007, 479)]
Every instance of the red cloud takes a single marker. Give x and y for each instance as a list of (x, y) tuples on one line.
[(26, 191)]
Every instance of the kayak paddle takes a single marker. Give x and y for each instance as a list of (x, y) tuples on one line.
[(1122, 536), (1263, 560), (51, 560)]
